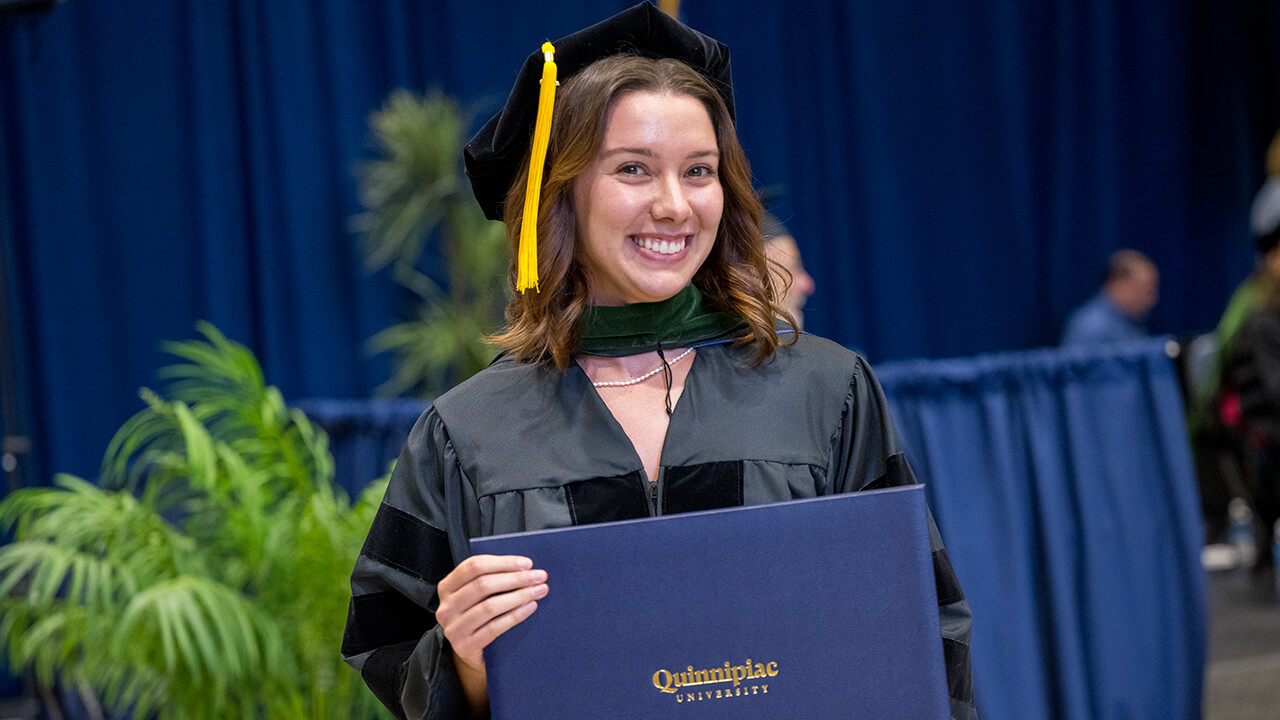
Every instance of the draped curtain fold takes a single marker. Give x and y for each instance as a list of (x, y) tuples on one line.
[(955, 173), (1063, 484)]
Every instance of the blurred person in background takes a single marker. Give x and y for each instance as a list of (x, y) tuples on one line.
[(1264, 217), (1247, 401), (780, 247), (1118, 312), (1225, 456)]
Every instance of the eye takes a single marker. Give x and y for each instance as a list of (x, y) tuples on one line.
[(701, 171), (630, 169)]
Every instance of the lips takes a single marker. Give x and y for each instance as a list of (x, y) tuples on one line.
[(661, 245)]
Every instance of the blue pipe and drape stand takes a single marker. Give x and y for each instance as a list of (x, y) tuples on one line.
[(1063, 484)]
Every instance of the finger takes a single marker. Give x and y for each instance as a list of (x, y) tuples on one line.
[(477, 565), (491, 630), (469, 622), (484, 589), (470, 645)]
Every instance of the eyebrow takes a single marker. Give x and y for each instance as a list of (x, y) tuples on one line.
[(649, 153)]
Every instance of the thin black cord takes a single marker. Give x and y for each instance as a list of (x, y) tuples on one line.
[(666, 376)]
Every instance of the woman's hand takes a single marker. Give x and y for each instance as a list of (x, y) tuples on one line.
[(485, 596)]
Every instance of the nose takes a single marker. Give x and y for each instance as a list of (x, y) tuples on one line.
[(802, 284), (670, 201)]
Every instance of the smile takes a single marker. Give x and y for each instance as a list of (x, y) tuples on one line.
[(662, 247)]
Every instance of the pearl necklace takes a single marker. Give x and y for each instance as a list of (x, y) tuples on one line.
[(642, 378)]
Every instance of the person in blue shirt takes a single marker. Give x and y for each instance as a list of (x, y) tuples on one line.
[(1118, 312)]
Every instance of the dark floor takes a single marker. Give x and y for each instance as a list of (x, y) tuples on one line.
[(1243, 678)]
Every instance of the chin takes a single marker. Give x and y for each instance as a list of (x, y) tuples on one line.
[(654, 297), (655, 293)]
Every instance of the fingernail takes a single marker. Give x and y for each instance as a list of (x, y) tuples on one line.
[(540, 591), (538, 576), (525, 563)]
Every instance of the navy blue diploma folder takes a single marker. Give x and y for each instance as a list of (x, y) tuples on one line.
[(813, 609)]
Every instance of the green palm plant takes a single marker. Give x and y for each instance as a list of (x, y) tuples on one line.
[(417, 202), (205, 576)]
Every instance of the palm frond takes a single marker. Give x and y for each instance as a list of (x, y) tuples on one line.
[(81, 517), (40, 574), (147, 433), (416, 202), (205, 631), (406, 190), (207, 576)]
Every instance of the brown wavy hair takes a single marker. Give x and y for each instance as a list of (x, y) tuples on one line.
[(543, 325)]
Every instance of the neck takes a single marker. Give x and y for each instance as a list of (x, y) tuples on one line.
[(634, 364), (625, 367)]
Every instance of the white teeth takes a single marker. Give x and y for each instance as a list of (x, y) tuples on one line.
[(662, 247)]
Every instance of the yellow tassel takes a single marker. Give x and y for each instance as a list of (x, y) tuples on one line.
[(527, 262)]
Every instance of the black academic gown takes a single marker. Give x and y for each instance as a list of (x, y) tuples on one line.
[(527, 447)]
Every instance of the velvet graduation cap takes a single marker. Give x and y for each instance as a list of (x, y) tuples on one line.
[(522, 126)]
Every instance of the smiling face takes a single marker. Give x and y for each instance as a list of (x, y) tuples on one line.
[(649, 205)]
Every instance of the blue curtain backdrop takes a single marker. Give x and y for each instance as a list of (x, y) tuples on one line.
[(1063, 484), (956, 172)]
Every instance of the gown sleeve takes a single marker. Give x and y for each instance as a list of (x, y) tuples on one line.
[(868, 457), (417, 537)]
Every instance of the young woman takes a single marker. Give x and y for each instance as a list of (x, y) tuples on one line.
[(644, 376)]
